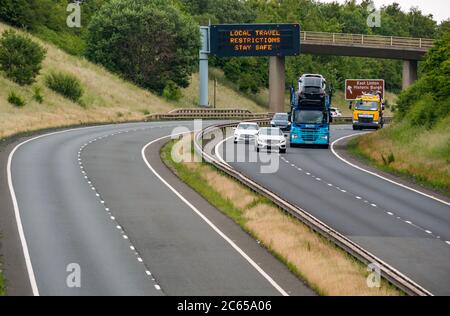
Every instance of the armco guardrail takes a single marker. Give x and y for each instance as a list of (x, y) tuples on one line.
[(366, 40), (388, 272), (208, 114), (229, 114), (208, 110)]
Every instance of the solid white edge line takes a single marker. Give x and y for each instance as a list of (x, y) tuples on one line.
[(20, 229), (214, 227), (376, 174), (217, 153), (23, 241)]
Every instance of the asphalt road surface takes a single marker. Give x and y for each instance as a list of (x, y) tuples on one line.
[(88, 200), (409, 231)]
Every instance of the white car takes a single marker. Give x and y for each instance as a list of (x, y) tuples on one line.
[(270, 138), (335, 112), (246, 132)]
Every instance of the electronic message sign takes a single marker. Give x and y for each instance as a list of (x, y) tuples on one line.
[(228, 40)]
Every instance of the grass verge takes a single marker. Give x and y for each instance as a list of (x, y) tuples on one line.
[(320, 264), (416, 154), (2, 285)]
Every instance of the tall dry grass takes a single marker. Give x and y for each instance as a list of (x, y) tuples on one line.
[(107, 97), (327, 269)]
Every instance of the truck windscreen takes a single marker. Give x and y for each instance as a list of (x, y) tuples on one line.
[(310, 117), (367, 106)]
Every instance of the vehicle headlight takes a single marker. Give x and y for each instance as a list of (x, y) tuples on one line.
[(294, 136), (272, 123), (324, 137)]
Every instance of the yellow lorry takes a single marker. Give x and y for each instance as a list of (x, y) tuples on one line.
[(368, 112)]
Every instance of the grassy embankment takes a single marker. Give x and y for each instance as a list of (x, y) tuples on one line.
[(417, 145), (415, 153), (324, 267), (2, 284), (107, 97)]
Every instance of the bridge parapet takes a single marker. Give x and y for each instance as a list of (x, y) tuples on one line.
[(366, 40)]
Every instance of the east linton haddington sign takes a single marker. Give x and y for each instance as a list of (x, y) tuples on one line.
[(229, 40)]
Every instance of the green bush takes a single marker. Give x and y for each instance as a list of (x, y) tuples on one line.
[(37, 94), (172, 91), (428, 101), (16, 99), (67, 85), (147, 42), (20, 57)]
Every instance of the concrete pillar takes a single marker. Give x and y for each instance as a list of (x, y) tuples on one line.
[(276, 83), (409, 73)]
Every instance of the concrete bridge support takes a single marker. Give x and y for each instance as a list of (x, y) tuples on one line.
[(409, 73), (276, 83)]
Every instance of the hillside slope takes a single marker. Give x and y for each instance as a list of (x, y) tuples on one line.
[(107, 97), (418, 143)]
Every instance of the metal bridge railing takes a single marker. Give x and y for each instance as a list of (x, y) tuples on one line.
[(366, 40)]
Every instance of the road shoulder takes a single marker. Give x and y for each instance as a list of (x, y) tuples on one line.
[(341, 148), (279, 272), (11, 253)]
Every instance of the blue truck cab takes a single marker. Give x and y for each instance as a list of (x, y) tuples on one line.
[(310, 121)]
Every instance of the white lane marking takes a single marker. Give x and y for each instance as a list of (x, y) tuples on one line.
[(217, 153), (20, 229), (428, 232), (23, 240), (376, 174), (214, 227), (157, 287), (447, 242), (390, 213), (374, 205), (148, 273)]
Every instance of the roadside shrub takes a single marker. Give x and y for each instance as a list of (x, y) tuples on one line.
[(172, 91), (147, 42), (67, 85), (37, 94), (20, 57), (16, 99)]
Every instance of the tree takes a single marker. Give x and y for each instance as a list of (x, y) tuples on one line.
[(147, 42), (20, 57)]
